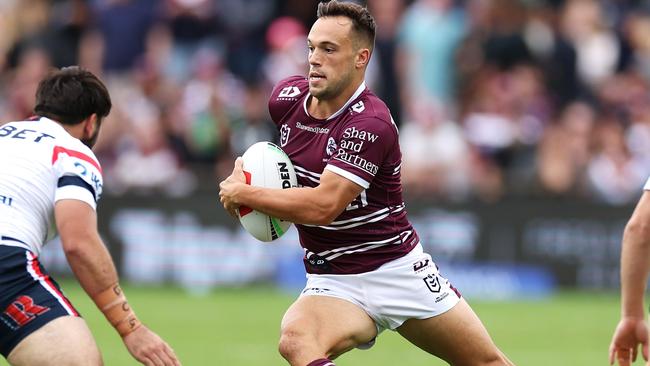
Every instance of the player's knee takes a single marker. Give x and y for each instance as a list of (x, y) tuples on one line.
[(293, 344), (289, 345)]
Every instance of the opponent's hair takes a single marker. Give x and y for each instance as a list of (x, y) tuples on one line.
[(362, 21), (70, 95)]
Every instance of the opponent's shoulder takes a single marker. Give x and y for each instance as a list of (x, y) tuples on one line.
[(71, 150), (286, 93)]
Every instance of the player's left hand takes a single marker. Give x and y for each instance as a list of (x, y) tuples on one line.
[(228, 188), (629, 333), (149, 349)]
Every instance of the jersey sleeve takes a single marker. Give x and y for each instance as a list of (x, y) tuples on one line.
[(646, 187), (362, 149), (286, 93), (78, 174)]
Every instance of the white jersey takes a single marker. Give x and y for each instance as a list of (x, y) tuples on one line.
[(40, 163)]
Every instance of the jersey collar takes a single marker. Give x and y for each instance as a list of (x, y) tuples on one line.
[(354, 96)]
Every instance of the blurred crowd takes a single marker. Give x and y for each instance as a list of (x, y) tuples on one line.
[(494, 98)]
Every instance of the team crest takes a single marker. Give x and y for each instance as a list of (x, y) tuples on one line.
[(433, 283), (284, 135), (331, 146)]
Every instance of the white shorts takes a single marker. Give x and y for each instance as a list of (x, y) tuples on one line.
[(408, 287)]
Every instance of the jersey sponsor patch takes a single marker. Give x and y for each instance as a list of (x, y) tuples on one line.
[(357, 161), (312, 129), (359, 107), (354, 133), (289, 93), (11, 131)]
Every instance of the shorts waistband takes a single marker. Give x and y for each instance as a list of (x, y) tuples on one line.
[(13, 242), (9, 238)]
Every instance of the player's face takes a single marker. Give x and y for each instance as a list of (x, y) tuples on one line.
[(331, 57)]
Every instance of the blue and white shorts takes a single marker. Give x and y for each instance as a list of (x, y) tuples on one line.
[(29, 297)]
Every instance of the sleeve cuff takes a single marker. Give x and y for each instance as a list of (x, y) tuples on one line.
[(346, 174), (75, 193)]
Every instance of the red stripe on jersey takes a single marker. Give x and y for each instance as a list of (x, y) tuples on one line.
[(76, 154), (50, 284), (244, 210)]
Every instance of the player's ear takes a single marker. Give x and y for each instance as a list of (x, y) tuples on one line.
[(90, 124), (363, 57)]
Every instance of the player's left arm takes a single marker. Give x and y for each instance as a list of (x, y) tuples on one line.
[(319, 205)]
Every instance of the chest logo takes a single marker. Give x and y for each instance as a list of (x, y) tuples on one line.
[(289, 92), (284, 135), (331, 146)]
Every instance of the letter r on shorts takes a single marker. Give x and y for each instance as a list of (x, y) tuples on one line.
[(23, 310)]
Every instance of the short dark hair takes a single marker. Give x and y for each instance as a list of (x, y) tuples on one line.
[(362, 21), (70, 95)]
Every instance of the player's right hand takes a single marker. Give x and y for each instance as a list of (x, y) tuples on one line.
[(148, 348), (629, 333)]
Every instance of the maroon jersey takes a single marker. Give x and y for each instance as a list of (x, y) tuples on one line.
[(359, 142)]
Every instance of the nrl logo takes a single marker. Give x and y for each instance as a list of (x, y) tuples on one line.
[(433, 283), (284, 135)]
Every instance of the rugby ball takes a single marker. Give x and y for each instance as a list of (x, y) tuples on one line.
[(266, 165)]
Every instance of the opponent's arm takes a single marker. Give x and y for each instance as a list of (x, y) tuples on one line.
[(635, 267), (319, 205), (635, 259), (93, 266)]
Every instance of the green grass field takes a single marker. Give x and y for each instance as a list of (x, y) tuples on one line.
[(233, 327)]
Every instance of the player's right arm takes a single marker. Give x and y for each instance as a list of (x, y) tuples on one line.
[(93, 266), (635, 267), (319, 205)]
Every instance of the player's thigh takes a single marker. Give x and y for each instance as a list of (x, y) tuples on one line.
[(328, 324), (457, 336), (64, 341)]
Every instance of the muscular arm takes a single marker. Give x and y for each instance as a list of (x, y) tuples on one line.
[(87, 255), (319, 205), (632, 330), (93, 266), (635, 259)]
